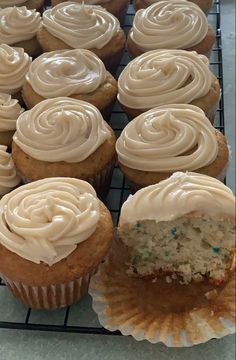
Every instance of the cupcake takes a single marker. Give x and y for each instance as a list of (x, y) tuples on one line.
[(117, 8), (79, 74), (205, 5), (10, 110), (8, 177), (65, 137), (162, 77), (70, 25), (176, 24), (53, 235), (167, 139), (14, 64), (30, 4)]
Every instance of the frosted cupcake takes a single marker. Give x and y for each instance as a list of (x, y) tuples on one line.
[(30, 4), (162, 77), (53, 235), (176, 24), (8, 177), (65, 137), (70, 25), (117, 8), (18, 28), (79, 74), (205, 5), (14, 64), (167, 139)]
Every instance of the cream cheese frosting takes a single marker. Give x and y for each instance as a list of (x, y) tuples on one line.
[(160, 77), (81, 26), (61, 129), (8, 177), (18, 24), (10, 110), (14, 64), (92, 2), (66, 72), (180, 194), (157, 140), (176, 24), (45, 220)]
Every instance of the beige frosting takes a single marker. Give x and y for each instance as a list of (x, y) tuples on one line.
[(14, 64), (10, 110), (8, 176), (162, 77), (180, 194), (92, 2), (45, 220), (157, 139), (8, 3), (18, 24), (176, 24), (66, 72), (61, 129), (81, 26)]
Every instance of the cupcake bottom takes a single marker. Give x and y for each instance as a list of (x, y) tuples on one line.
[(31, 46), (6, 137)]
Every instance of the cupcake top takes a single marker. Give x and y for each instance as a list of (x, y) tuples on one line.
[(10, 110), (159, 139), (81, 26), (8, 177), (18, 24), (175, 24), (66, 72), (61, 129), (45, 220), (92, 2), (180, 194), (14, 64), (162, 77)]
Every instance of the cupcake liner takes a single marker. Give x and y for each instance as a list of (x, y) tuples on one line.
[(174, 314)]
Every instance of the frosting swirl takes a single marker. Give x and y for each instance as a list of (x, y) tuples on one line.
[(66, 72), (10, 110), (45, 220), (176, 24), (180, 194), (162, 77), (14, 64), (81, 26), (8, 176), (18, 24), (8, 3), (158, 140), (61, 129)]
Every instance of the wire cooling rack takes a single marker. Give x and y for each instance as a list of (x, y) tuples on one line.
[(80, 318)]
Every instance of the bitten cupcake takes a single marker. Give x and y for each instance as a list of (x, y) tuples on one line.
[(161, 77), (14, 64), (53, 235), (167, 139), (30, 4), (205, 5), (176, 24), (74, 26), (79, 74), (18, 28), (117, 8), (8, 177), (65, 137)]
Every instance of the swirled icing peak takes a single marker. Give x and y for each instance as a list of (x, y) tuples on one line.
[(45, 220), (61, 129), (180, 194), (8, 177), (175, 24), (160, 77), (159, 139), (66, 72), (10, 110), (14, 64), (81, 26), (18, 24)]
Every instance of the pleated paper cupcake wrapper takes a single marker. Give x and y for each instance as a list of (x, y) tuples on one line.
[(52, 296), (174, 314)]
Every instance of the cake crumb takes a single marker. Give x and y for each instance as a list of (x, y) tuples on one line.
[(154, 280), (211, 295), (212, 313), (168, 280)]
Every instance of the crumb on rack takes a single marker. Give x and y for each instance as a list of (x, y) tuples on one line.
[(211, 295)]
